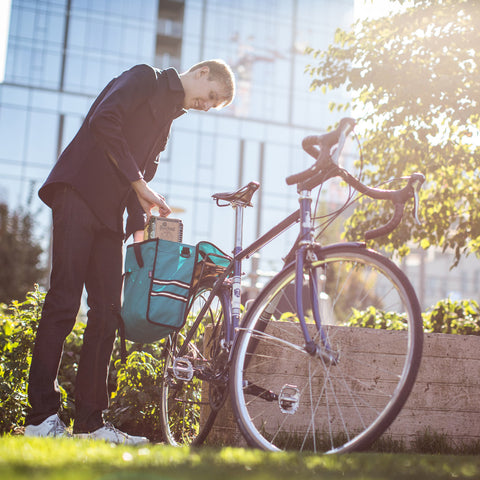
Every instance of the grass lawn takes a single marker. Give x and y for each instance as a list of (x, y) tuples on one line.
[(66, 459)]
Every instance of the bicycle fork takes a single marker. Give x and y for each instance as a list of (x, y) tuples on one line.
[(305, 256), (288, 395)]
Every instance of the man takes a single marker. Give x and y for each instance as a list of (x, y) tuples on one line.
[(102, 172)]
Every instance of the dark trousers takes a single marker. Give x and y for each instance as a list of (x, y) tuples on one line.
[(85, 253)]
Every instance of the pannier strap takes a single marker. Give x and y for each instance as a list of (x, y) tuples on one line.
[(138, 254)]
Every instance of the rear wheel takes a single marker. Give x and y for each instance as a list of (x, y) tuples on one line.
[(345, 395), (194, 380)]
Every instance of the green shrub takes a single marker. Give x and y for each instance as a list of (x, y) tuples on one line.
[(374, 318), (135, 403), (448, 316), (18, 325)]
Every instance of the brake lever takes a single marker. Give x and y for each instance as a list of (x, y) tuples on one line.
[(416, 204), (418, 178), (335, 156), (415, 183)]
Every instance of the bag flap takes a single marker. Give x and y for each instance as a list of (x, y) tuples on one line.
[(172, 257), (208, 251), (140, 254)]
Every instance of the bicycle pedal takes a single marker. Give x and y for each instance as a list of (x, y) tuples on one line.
[(182, 369), (289, 399)]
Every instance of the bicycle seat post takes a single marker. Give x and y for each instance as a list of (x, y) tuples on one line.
[(237, 269), (239, 199)]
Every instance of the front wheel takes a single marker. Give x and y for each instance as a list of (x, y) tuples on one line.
[(343, 396)]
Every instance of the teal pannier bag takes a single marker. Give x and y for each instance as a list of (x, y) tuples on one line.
[(156, 288)]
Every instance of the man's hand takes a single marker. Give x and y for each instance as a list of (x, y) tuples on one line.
[(138, 236), (149, 199)]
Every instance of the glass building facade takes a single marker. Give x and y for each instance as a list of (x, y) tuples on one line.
[(60, 54)]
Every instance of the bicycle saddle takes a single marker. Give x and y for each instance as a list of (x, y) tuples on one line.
[(242, 196)]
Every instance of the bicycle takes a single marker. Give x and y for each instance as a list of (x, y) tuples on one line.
[(295, 364)]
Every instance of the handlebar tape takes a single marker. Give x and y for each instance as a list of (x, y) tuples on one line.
[(388, 227), (318, 146)]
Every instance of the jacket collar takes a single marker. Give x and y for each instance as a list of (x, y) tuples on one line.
[(174, 80), (170, 98)]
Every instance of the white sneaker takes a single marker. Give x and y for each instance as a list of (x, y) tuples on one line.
[(111, 434), (51, 427)]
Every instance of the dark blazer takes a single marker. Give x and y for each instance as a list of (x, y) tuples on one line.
[(119, 142)]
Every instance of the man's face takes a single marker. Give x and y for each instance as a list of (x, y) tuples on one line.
[(203, 94)]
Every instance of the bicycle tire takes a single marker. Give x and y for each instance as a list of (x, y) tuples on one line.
[(189, 405), (341, 400)]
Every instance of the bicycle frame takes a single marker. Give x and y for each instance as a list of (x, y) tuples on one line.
[(303, 248), (235, 268)]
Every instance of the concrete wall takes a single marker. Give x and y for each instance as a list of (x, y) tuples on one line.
[(445, 399), (446, 396)]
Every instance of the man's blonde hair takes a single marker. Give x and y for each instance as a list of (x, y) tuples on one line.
[(220, 72)]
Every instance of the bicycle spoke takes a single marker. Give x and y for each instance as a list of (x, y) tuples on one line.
[(187, 413), (339, 401)]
